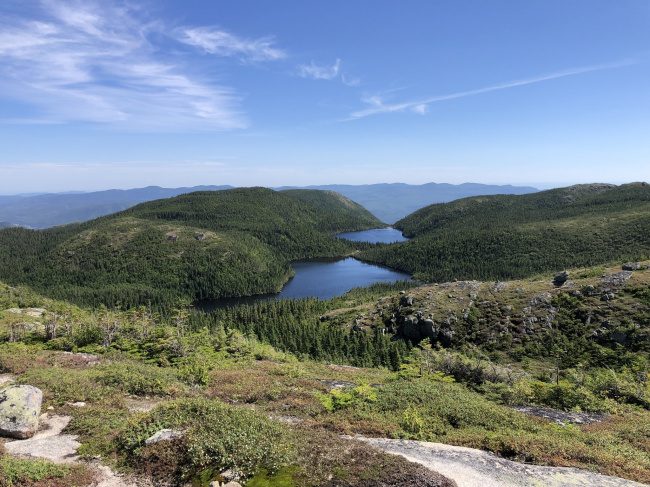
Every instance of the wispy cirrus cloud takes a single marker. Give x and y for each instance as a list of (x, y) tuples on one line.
[(99, 62), (350, 80), (377, 103), (320, 71), (222, 43)]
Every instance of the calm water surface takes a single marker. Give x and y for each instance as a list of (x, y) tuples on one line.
[(376, 235), (327, 278), (323, 279)]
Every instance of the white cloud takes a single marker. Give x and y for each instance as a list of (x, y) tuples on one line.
[(350, 80), (377, 104), (421, 109), (316, 71), (96, 62), (222, 43)]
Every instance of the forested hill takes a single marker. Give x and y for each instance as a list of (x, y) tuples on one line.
[(513, 236), (195, 246), (332, 201)]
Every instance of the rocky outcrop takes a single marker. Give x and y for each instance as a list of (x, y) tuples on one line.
[(418, 328), (410, 328), (337, 384), (561, 417), (500, 286), (632, 266), (560, 278), (475, 468), (616, 280), (541, 299), (20, 408)]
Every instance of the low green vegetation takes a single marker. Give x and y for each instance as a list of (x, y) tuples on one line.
[(215, 436), (15, 472), (227, 371)]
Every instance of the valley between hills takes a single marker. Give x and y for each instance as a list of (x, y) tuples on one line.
[(526, 334)]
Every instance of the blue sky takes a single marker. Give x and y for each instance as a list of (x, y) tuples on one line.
[(113, 94)]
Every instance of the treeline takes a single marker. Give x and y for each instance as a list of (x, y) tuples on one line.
[(511, 237), (288, 326), (294, 326)]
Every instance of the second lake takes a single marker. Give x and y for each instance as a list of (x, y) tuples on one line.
[(376, 235)]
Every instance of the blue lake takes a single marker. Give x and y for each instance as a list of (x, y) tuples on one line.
[(376, 235), (327, 278), (323, 279)]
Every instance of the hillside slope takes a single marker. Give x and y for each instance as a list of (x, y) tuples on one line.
[(201, 245), (507, 236), (332, 201), (530, 344)]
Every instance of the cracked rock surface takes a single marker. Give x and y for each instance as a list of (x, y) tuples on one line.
[(476, 468)]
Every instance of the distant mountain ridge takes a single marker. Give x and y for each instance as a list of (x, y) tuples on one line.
[(389, 202), (7, 225), (52, 209), (392, 201)]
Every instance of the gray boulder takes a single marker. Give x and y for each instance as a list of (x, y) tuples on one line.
[(163, 435), (632, 266), (20, 408), (561, 277)]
